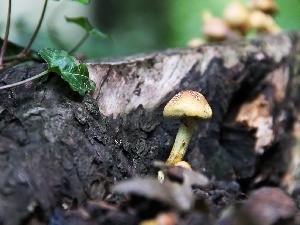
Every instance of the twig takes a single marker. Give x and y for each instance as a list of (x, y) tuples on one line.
[(5, 40), (79, 43), (25, 50), (10, 65), (24, 81)]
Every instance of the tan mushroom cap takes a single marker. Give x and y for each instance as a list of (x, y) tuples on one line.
[(184, 164), (263, 22), (267, 6), (215, 29), (236, 14), (189, 104)]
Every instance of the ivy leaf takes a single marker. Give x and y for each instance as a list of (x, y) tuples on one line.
[(84, 23), (72, 71), (81, 1)]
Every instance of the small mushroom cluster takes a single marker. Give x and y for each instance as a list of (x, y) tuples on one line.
[(239, 20), (188, 106)]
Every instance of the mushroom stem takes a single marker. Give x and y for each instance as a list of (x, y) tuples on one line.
[(183, 137)]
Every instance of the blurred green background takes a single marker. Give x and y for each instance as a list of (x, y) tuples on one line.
[(137, 26)]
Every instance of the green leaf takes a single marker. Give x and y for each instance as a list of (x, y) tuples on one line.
[(81, 1), (99, 34), (72, 71), (84, 23)]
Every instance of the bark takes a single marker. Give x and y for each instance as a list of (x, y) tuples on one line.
[(60, 149)]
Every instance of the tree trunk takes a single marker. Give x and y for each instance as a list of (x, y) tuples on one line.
[(57, 147)]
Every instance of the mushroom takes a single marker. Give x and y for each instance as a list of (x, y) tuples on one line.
[(263, 23), (267, 6), (184, 164), (236, 15), (216, 29), (195, 43), (189, 106)]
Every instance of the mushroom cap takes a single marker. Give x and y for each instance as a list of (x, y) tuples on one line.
[(184, 164), (267, 6), (188, 104), (236, 14), (215, 29), (263, 22)]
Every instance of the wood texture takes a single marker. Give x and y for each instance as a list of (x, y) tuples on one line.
[(57, 148)]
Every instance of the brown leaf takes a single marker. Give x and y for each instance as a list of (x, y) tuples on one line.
[(269, 204)]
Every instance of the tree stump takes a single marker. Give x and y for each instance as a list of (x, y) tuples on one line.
[(59, 149)]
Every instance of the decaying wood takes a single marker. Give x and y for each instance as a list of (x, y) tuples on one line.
[(60, 149)]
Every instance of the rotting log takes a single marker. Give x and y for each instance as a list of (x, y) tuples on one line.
[(57, 147)]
